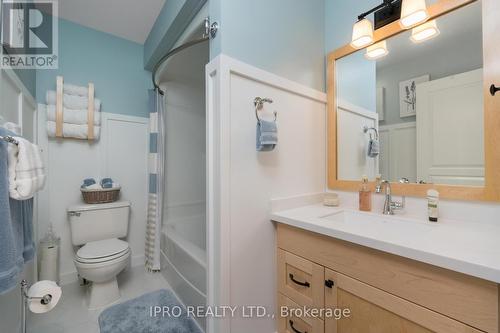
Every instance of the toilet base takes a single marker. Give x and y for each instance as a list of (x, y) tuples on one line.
[(102, 294)]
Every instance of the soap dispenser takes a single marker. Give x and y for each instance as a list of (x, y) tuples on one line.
[(365, 196)]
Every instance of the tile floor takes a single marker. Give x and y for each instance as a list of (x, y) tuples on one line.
[(71, 314)]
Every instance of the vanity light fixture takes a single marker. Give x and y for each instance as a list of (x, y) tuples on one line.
[(377, 50), (362, 33), (424, 32), (413, 12)]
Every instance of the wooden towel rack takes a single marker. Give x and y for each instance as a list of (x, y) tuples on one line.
[(60, 109)]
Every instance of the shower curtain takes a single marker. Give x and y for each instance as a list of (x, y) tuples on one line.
[(156, 179)]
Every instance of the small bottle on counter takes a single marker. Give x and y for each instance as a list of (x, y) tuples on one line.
[(365, 196), (433, 205)]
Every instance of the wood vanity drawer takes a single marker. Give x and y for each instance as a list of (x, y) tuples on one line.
[(301, 280), (294, 324), (464, 298)]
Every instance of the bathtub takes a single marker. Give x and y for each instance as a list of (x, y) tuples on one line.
[(183, 256)]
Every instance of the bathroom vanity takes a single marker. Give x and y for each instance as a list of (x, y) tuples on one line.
[(423, 111), (393, 274)]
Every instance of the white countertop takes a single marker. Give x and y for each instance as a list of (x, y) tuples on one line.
[(469, 248)]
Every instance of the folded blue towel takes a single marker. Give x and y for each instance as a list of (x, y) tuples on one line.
[(16, 231), (107, 183), (89, 181), (267, 135), (373, 148)]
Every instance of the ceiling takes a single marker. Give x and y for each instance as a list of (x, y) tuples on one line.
[(129, 19)]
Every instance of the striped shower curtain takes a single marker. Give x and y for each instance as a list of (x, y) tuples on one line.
[(156, 179)]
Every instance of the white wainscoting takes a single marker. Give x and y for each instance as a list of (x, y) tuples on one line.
[(121, 153), (398, 151), (352, 143), (242, 181)]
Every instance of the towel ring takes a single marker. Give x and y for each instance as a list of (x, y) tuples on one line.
[(258, 102), (366, 129)]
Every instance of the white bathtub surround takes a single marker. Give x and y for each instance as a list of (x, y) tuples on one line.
[(184, 220), (184, 260), (465, 247), (70, 161), (242, 181)]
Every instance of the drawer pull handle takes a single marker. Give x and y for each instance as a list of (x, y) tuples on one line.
[(493, 90), (329, 284), (294, 329), (304, 284)]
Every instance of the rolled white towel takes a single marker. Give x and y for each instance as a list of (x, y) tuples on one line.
[(72, 130), (72, 116), (73, 101), (71, 89), (26, 170), (13, 127)]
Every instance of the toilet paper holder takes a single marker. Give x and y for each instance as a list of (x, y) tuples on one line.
[(44, 299)]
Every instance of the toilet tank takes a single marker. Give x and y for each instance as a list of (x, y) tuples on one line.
[(98, 222)]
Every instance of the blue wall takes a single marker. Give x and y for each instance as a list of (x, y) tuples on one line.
[(113, 64), (340, 15), (359, 84), (285, 37)]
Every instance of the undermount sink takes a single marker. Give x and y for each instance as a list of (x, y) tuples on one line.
[(373, 225)]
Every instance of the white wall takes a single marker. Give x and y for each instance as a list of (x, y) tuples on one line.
[(352, 142), (242, 181), (121, 153), (398, 151)]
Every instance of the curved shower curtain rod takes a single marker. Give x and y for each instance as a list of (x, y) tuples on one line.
[(210, 32)]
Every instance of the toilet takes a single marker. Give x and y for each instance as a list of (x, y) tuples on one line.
[(102, 255)]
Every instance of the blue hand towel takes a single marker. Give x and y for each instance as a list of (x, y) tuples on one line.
[(107, 183), (87, 182), (267, 135), (16, 237), (373, 148)]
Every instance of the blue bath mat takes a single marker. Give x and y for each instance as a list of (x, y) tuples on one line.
[(137, 316)]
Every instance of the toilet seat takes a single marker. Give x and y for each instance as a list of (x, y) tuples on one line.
[(102, 251)]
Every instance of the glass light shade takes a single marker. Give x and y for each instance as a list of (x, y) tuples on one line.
[(413, 12), (362, 34), (424, 32), (376, 51)]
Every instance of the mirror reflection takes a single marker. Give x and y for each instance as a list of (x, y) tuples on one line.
[(412, 105)]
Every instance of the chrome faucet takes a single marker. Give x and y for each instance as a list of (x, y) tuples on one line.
[(389, 205)]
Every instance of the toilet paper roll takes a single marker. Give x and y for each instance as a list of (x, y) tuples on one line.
[(40, 289)]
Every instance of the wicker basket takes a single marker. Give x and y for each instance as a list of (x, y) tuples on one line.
[(100, 196)]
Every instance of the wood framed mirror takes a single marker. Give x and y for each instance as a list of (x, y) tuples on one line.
[(462, 159)]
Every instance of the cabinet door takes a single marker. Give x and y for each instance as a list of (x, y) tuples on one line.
[(374, 311), (301, 280)]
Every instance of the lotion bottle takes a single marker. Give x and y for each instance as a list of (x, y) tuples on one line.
[(365, 196), (433, 205)]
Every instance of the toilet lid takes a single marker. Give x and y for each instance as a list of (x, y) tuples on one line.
[(103, 248)]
